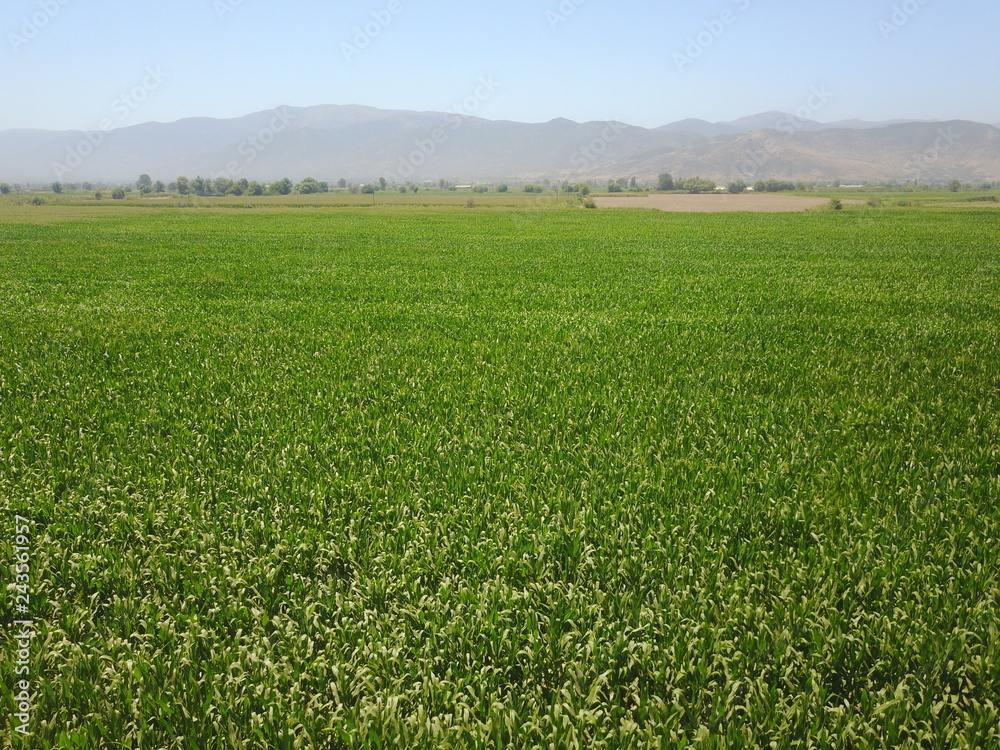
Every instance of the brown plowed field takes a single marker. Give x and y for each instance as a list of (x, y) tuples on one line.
[(714, 202)]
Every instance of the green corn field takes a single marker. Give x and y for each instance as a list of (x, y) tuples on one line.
[(429, 477)]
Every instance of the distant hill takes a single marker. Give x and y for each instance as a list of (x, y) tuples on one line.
[(856, 124), (364, 143), (699, 127), (925, 152), (773, 120)]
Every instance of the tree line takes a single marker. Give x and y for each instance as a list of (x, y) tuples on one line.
[(201, 186), (222, 186)]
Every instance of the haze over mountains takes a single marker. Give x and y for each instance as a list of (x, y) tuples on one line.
[(359, 143)]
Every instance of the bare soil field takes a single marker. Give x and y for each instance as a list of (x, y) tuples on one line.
[(713, 202)]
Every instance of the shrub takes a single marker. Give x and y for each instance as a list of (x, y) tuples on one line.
[(772, 186), (696, 185)]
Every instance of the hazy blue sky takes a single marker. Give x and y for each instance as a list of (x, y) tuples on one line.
[(73, 63)]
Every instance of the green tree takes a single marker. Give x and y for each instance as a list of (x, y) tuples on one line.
[(308, 186), (118, 194), (583, 189), (382, 183), (614, 187), (502, 188), (159, 187), (736, 187), (773, 186), (697, 185), (665, 182), (281, 187), (341, 183), (221, 185), (954, 185), (183, 185), (4, 188), (57, 187), (144, 181), (255, 189)]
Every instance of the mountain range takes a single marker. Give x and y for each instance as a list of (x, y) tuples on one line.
[(360, 143)]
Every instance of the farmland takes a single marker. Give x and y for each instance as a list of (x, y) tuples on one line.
[(431, 476)]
